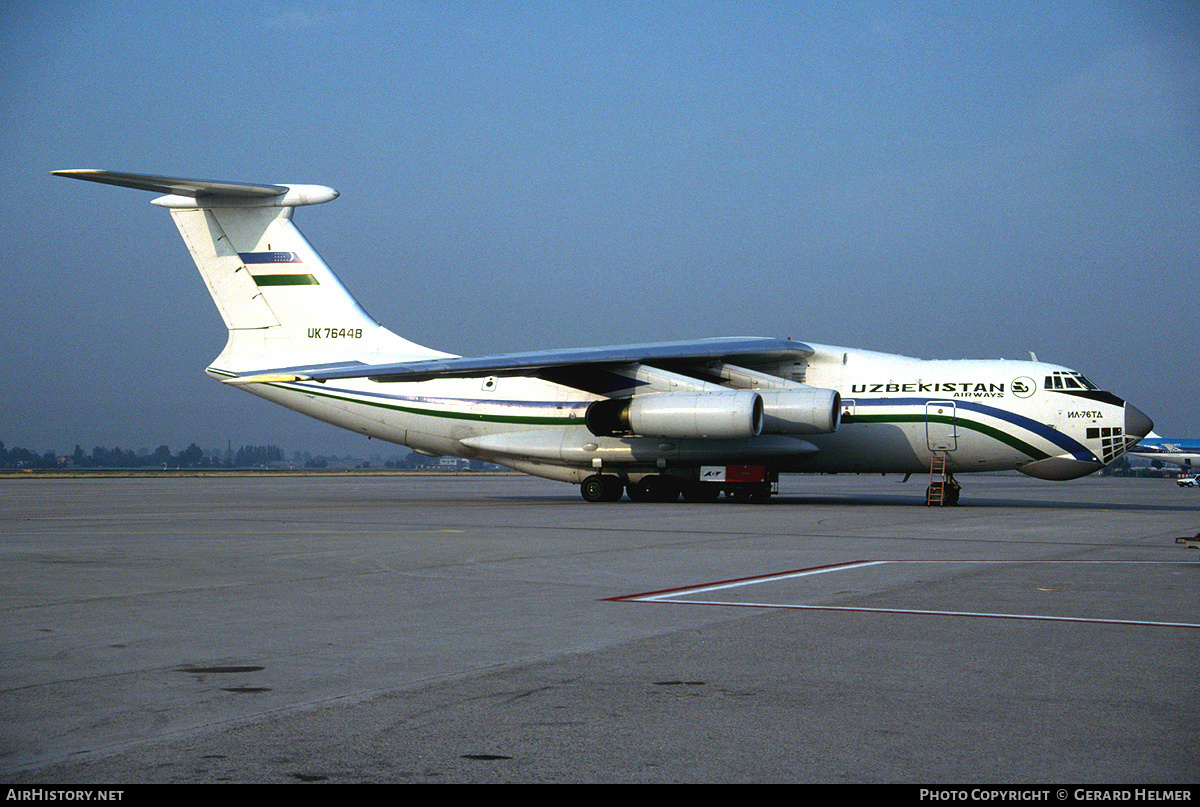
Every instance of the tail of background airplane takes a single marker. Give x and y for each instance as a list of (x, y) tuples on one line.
[(282, 304)]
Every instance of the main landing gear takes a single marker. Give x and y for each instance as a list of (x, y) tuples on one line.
[(664, 488), (654, 488), (597, 488), (650, 488)]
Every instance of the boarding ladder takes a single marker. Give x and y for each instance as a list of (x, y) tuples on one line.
[(939, 493)]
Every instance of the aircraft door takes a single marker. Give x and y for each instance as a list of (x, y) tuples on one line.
[(941, 425)]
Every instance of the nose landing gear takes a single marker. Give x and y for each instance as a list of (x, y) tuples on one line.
[(942, 494), (943, 488)]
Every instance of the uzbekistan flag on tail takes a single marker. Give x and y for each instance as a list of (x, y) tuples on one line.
[(277, 269)]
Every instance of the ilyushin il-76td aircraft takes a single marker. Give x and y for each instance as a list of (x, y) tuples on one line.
[(657, 421)]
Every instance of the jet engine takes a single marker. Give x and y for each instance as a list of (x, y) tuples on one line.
[(712, 415), (807, 410)]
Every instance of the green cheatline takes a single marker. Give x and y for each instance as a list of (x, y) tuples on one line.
[(285, 280), (982, 428), (449, 414), (965, 423), (552, 420)]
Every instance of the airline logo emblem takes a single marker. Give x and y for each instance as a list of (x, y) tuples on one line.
[(1023, 387)]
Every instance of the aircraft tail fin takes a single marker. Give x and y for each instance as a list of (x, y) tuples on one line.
[(282, 304)]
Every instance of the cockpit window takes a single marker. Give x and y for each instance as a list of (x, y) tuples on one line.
[(1067, 380)]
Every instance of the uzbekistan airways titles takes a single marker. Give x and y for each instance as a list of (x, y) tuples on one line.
[(959, 389)]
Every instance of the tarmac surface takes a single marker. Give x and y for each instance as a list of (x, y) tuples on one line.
[(500, 629)]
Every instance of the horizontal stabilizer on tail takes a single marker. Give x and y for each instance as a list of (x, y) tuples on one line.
[(173, 185), (207, 192)]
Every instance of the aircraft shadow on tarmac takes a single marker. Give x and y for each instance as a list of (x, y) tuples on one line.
[(975, 504), (888, 500)]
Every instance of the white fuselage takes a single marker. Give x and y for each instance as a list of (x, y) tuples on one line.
[(896, 411)]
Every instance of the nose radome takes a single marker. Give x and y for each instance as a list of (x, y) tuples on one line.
[(1136, 422)]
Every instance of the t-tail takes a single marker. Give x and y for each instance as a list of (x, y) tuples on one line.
[(283, 305)]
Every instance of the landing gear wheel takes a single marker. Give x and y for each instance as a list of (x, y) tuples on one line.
[(948, 496), (592, 489), (615, 489), (654, 488), (597, 488)]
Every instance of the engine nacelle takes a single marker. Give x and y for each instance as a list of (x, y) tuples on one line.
[(812, 410), (713, 415)]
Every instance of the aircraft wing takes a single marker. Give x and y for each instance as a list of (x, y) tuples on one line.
[(744, 350)]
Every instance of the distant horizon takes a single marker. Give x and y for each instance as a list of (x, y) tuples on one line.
[(143, 451)]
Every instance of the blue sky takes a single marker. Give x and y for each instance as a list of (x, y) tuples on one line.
[(957, 180)]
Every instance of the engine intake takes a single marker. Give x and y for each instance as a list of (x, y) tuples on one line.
[(713, 415)]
